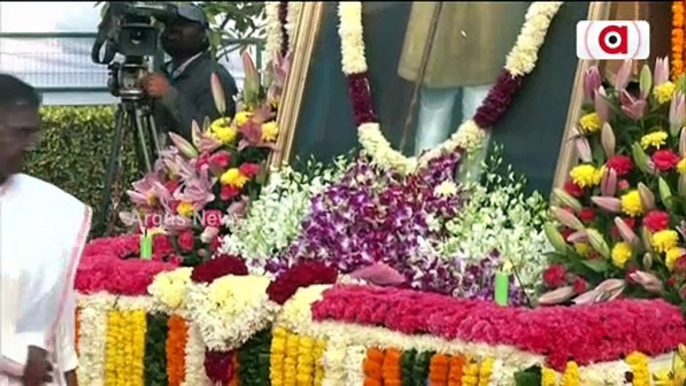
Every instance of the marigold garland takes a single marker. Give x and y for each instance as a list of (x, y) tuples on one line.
[(155, 357), (372, 365), (486, 371), (457, 364), (439, 370), (177, 336), (77, 329), (470, 374), (390, 369), (277, 355), (677, 39), (125, 348), (319, 349), (571, 375), (290, 362), (305, 366), (640, 368)]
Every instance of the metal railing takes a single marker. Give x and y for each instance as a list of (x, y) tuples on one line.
[(61, 61)]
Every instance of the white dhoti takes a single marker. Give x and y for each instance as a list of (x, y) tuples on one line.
[(42, 234)]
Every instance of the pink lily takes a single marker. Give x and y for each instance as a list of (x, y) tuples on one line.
[(607, 139), (647, 197), (661, 71), (632, 107), (279, 68), (610, 204), (623, 75), (608, 184), (647, 280), (379, 274), (218, 93), (600, 104), (611, 288), (567, 219), (682, 143), (148, 192), (251, 83), (588, 297), (583, 148), (677, 113), (197, 190), (251, 131), (626, 233), (578, 237), (184, 146), (645, 82), (592, 81), (556, 296)]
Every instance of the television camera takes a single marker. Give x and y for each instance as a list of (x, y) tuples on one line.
[(127, 39)]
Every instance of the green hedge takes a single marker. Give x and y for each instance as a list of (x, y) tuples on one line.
[(74, 150)]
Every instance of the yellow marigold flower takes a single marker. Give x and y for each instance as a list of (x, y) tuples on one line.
[(269, 131), (225, 135), (586, 175), (655, 139), (233, 177), (672, 255), (631, 203), (621, 253), (243, 117), (665, 240), (583, 249), (681, 166), (664, 92), (548, 377), (571, 375), (590, 123), (185, 209)]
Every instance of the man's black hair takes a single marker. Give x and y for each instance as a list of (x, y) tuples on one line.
[(14, 92)]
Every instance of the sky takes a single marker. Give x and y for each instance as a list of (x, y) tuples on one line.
[(49, 16)]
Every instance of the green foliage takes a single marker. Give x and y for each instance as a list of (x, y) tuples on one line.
[(74, 150)]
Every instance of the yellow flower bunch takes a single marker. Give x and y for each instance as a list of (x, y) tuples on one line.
[(671, 257), (233, 294), (242, 117), (681, 166), (319, 349), (185, 209), (269, 131), (125, 348), (621, 253), (548, 377), (640, 368), (664, 92), (222, 131), (655, 139), (586, 175), (590, 123), (631, 203), (665, 240), (486, 371), (290, 362), (277, 356), (571, 375), (305, 364), (234, 177), (470, 373), (169, 288)]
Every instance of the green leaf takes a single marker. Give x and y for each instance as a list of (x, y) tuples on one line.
[(597, 265)]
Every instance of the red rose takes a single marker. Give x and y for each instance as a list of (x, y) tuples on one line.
[(573, 189), (621, 164), (586, 215), (580, 286), (186, 240), (220, 266), (554, 276), (656, 220), (249, 169), (220, 159), (228, 192), (665, 160), (171, 186), (212, 218), (162, 245)]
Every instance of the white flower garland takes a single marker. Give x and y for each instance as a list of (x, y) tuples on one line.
[(194, 372), (520, 61), (92, 338), (273, 27), (294, 8), (230, 310)]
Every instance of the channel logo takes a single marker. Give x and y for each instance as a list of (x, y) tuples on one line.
[(613, 40)]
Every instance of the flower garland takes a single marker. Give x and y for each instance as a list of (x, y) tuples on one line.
[(639, 368), (92, 339), (252, 360), (372, 367), (520, 62), (277, 356), (177, 337), (125, 352), (168, 289), (677, 39), (155, 359), (195, 374)]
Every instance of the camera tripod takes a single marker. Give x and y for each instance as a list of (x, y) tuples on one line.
[(133, 113)]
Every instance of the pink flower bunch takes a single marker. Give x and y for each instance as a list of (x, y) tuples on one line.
[(597, 333)]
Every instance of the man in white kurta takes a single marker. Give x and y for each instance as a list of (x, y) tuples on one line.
[(42, 234)]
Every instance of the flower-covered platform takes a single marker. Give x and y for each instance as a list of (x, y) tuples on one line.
[(150, 322)]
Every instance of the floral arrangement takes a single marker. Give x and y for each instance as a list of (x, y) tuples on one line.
[(274, 219), (217, 323), (621, 211), (520, 61), (195, 184), (677, 39)]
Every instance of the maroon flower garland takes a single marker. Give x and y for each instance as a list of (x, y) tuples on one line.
[(283, 16)]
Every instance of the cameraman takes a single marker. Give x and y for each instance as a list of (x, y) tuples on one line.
[(183, 90)]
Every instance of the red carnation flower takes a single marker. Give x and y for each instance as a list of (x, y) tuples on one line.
[(186, 240), (573, 189), (301, 275), (587, 215), (621, 164), (665, 160), (249, 169), (222, 265), (656, 220), (554, 276), (580, 286)]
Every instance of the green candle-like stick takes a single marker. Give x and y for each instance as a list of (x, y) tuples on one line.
[(502, 284), (146, 246)]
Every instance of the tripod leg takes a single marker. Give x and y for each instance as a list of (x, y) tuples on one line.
[(141, 129), (112, 169)]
